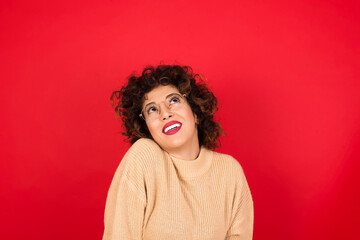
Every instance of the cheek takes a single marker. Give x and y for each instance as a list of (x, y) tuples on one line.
[(153, 128), (190, 115)]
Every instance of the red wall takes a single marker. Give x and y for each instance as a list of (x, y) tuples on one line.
[(286, 74)]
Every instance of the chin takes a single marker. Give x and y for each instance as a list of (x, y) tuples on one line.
[(174, 144)]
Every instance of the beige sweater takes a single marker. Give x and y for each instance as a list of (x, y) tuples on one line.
[(155, 196)]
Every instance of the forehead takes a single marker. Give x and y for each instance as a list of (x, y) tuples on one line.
[(159, 93)]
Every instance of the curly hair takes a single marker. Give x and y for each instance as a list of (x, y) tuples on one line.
[(128, 101)]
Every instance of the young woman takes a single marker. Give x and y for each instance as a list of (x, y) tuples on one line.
[(170, 184)]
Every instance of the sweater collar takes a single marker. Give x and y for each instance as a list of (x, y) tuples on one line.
[(196, 167)]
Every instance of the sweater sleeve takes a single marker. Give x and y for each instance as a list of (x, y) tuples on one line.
[(241, 227), (126, 200)]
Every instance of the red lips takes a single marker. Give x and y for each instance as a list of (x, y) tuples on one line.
[(172, 131)]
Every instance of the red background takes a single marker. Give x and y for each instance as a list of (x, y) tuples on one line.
[(286, 74)]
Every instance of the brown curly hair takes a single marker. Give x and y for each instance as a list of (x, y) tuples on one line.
[(128, 101)]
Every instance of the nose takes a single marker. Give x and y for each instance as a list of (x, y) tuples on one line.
[(165, 112)]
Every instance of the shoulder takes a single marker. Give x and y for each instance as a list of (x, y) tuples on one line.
[(227, 160), (142, 154), (227, 164), (138, 158), (144, 148), (144, 143), (232, 172)]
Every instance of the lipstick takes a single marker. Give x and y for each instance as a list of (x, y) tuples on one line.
[(171, 127)]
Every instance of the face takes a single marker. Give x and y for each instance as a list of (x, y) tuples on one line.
[(174, 125)]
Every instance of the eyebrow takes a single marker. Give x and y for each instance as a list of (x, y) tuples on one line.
[(168, 96)]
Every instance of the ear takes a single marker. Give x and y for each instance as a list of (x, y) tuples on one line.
[(196, 119)]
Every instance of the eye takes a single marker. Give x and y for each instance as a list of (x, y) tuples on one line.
[(174, 99), (151, 110)]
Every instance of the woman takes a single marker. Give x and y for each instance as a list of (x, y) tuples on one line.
[(170, 185)]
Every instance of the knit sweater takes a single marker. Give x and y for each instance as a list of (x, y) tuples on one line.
[(156, 196)]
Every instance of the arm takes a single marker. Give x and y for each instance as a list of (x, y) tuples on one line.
[(241, 227), (124, 212), (126, 200)]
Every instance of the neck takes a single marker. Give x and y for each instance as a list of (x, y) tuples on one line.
[(188, 152), (188, 155)]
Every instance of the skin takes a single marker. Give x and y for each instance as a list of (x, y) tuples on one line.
[(185, 143)]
